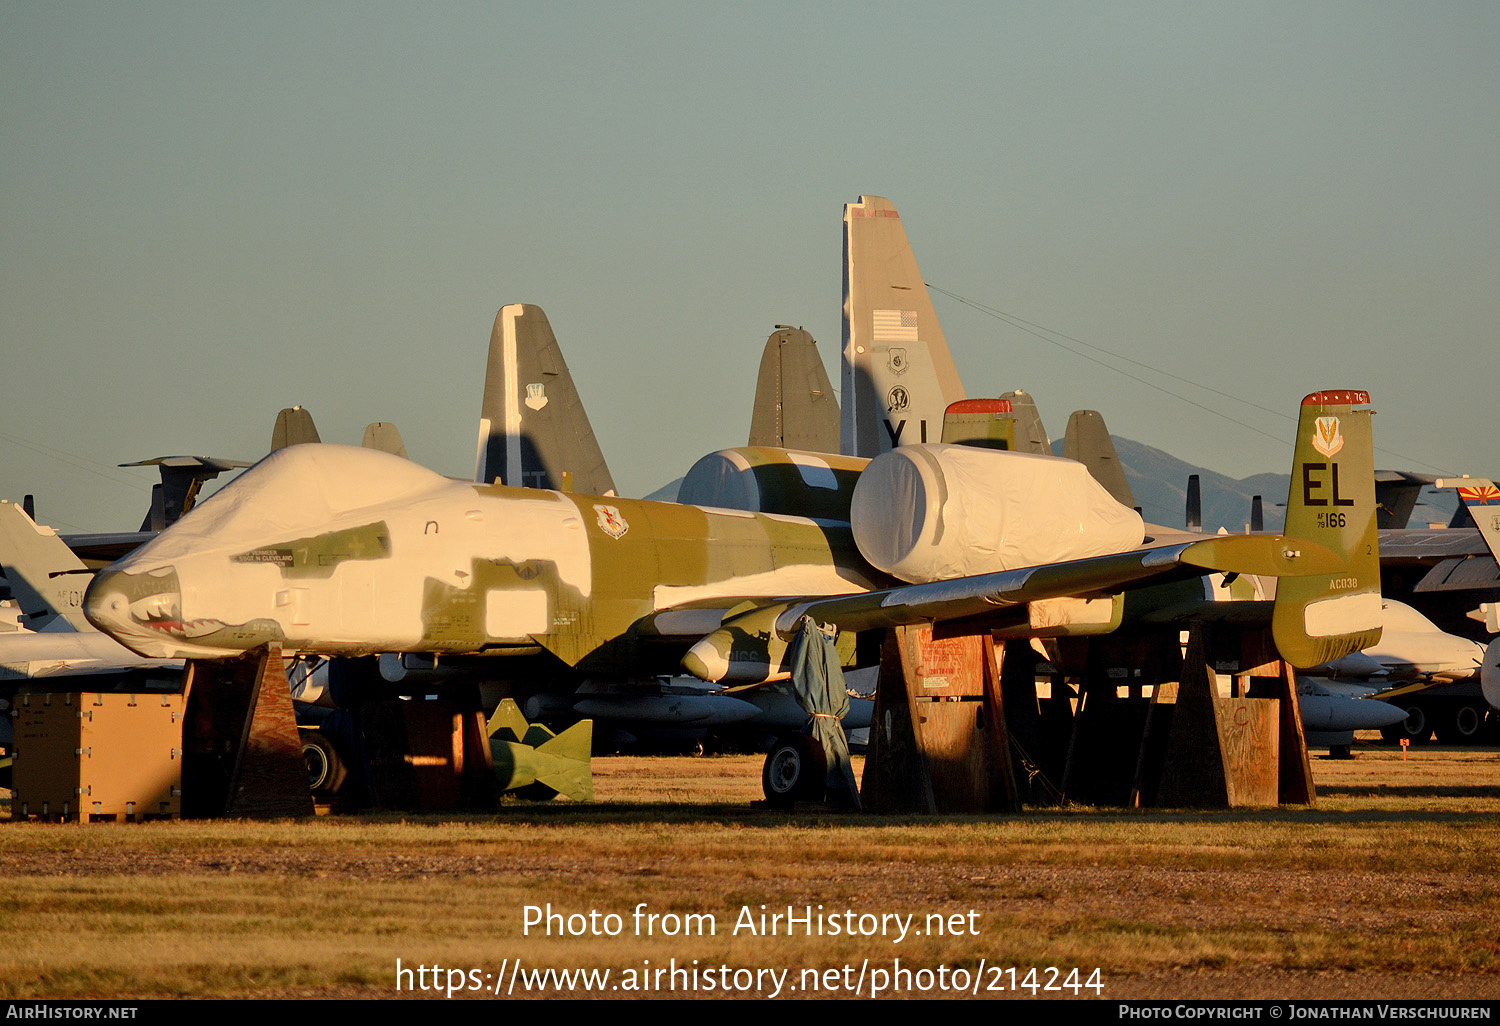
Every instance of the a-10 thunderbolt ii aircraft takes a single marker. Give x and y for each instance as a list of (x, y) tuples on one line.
[(344, 551), (338, 551)]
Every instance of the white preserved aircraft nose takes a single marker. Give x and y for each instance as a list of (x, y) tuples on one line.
[(142, 612)]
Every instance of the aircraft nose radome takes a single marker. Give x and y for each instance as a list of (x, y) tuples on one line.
[(105, 604), (109, 606)]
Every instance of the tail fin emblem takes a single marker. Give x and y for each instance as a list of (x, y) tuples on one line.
[(536, 396), (1327, 438), (1483, 495)]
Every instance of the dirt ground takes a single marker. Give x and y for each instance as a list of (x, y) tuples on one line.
[(1381, 890)]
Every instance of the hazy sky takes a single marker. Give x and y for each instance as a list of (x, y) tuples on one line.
[(210, 211)]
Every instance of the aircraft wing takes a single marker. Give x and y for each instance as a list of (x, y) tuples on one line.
[(749, 645), (32, 656), (1422, 546)]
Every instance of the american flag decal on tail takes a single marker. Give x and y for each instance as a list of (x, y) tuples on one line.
[(895, 325)]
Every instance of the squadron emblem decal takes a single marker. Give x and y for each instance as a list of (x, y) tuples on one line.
[(536, 396), (611, 522), (1327, 438)]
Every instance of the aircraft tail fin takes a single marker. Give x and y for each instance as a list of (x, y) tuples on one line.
[(573, 743), (1332, 502), (46, 578), (1482, 499), (508, 721), (1396, 494), (384, 436), (1087, 441), (795, 407), (294, 426), (533, 429), (1031, 436), (987, 423), (182, 477), (898, 376), (536, 763)]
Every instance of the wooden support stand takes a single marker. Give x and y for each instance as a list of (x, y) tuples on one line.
[(427, 756), (960, 727), (1243, 749), (242, 755), (939, 743)]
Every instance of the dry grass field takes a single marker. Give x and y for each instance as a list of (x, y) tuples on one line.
[(1384, 889)]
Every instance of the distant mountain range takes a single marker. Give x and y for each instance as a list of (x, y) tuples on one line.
[(1158, 480)]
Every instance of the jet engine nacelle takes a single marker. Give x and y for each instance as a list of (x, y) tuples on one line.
[(762, 479), (934, 512), (1489, 675)]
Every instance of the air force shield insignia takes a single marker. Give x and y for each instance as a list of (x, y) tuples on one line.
[(1327, 438), (611, 521)]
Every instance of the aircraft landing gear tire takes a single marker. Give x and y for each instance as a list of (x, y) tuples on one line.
[(794, 771), (1416, 728), (1463, 724), (326, 771)]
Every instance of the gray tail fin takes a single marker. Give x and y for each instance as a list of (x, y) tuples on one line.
[(898, 376), (384, 436), (182, 477), (533, 431), (1031, 436), (294, 426), (1396, 493), (46, 578), (794, 403), (1257, 514), (1088, 442)]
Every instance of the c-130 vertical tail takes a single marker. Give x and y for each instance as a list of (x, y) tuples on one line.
[(1332, 502), (898, 376), (532, 428)]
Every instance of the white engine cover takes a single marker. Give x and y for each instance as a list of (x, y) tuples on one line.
[(935, 512)]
